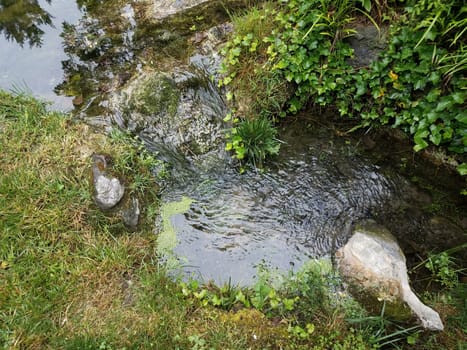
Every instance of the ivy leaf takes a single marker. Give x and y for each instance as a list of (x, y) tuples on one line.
[(420, 142), (462, 118), (366, 5), (462, 169), (445, 103), (435, 135), (458, 97)]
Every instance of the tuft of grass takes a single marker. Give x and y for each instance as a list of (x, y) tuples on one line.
[(254, 140)]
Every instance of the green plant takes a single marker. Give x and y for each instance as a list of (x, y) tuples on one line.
[(384, 332), (253, 140), (137, 164), (307, 48), (443, 268), (253, 90), (417, 84)]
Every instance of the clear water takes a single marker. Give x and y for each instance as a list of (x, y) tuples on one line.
[(303, 206)]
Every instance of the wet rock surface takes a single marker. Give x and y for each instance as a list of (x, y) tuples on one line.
[(108, 191), (182, 110), (375, 267)]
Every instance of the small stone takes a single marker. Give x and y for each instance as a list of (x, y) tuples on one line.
[(109, 191), (130, 215)]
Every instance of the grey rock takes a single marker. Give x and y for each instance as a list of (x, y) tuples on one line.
[(108, 190), (130, 215), (375, 268), (367, 43)]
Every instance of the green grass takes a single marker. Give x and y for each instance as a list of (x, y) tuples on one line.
[(72, 277)]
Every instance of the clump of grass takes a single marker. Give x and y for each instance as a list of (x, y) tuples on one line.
[(254, 140)]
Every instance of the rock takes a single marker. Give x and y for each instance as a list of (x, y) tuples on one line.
[(367, 43), (108, 190), (130, 215), (374, 266), (181, 110)]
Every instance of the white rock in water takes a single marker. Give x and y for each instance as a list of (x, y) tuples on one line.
[(374, 265)]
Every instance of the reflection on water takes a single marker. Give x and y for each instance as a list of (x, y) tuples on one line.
[(99, 53), (37, 68), (21, 21)]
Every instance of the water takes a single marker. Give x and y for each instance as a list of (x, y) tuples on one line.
[(303, 206), (39, 68)]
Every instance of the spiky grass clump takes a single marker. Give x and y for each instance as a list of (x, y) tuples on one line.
[(254, 140)]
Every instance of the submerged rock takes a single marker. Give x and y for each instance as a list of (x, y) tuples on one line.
[(375, 268), (182, 110), (108, 190)]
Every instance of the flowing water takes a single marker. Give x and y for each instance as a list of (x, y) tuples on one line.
[(302, 205)]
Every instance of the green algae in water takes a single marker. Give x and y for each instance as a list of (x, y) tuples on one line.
[(167, 239)]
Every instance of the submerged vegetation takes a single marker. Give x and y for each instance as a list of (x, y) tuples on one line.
[(416, 84)]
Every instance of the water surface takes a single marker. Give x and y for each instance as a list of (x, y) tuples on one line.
[(39, 68)]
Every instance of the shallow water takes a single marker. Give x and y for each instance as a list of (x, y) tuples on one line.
[(303, 206), (39, 68)]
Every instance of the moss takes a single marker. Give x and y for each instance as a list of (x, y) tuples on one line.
[(263, 333), (155, 95)]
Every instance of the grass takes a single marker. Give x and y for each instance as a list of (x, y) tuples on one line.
[(72, 277), (255, 91)]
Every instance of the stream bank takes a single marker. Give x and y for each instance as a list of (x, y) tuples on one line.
[(161, 85)]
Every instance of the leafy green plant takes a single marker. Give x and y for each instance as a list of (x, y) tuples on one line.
[(443, 268), (253, 140), (308, 49), (417, 84)]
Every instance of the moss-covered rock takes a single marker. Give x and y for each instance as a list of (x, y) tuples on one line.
[(155, 94)]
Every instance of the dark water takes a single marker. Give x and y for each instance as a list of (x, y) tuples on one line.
[(38, 68), (303, 206)]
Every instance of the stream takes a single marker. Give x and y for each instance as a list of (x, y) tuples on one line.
[(151, 69)]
